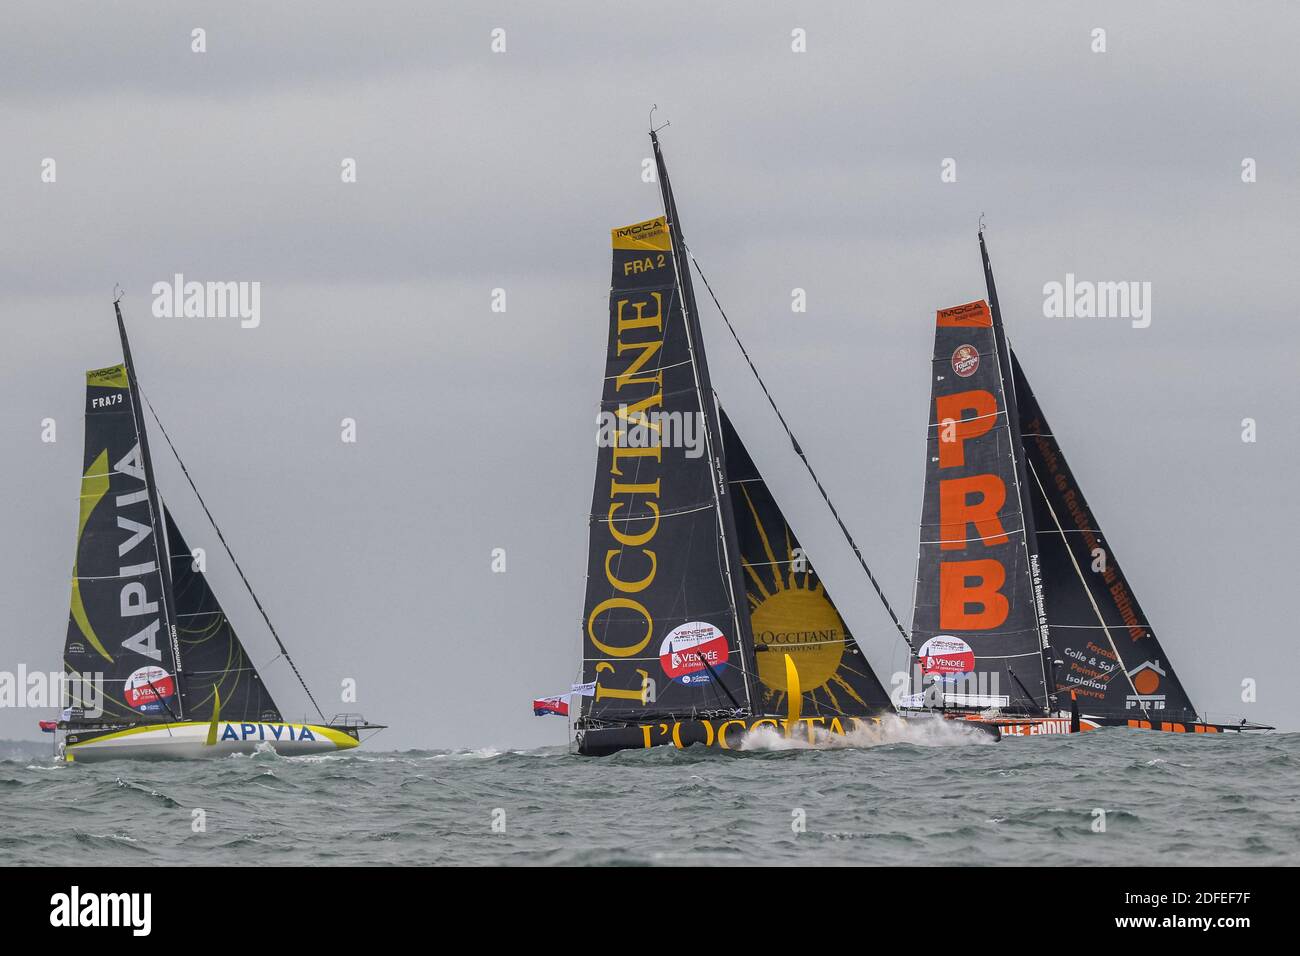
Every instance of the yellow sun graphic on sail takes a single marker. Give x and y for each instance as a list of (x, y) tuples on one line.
[(791, 613)]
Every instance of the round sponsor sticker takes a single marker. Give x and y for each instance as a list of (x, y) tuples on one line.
[(946, 656), (685, 650), (966, 360), (148, 688)]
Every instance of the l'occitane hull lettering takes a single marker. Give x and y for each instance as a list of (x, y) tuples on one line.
[(721, 734)]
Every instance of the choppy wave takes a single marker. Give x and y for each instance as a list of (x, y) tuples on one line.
[(900, 793)]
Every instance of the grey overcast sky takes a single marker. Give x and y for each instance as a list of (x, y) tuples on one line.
[(478, 170)]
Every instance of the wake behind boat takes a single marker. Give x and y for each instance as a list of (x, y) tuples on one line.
[(1022, 617), (154, 667)]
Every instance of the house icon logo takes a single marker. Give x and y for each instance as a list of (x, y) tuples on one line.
[(1146, 678)]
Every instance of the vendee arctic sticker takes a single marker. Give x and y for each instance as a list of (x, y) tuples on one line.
[(148, 688), (688, 647), (946, 657)]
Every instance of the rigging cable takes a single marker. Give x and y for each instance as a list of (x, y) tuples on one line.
[(283, 650), (1088, 591), (704, 389), (794, 443)]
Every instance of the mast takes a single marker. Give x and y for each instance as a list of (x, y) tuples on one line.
[(712, 429), (161, 547), (1030, 534)]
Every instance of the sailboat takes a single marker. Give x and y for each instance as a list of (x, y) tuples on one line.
[(1022, 617), (703, 619), (153, 665)]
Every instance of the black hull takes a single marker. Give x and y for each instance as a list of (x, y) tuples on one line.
[(725, 734), (1055, 724), (1179, 726)]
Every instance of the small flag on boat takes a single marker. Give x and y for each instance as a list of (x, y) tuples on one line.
[(559, 706), (49, 726), (586, 690), (66, 714)]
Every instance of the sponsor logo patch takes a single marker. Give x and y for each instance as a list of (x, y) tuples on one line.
[(947, 657), (148, 688), (1146, 678), (687, 648), (965, 360)]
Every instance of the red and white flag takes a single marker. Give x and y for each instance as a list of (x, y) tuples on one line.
[(544, 706)]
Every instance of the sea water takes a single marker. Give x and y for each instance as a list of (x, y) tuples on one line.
[(1113, 796)]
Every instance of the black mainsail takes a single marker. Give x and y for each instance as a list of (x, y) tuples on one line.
[(120, 621), (701, 616), (1093, 610), (124, 604), (662, 632), (975, 624)]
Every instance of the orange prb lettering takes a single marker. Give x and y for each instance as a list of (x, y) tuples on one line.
[(956, 594), (956, 510), (983, 408)]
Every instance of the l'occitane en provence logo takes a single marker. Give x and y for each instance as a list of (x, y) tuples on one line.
[(791, 613)]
